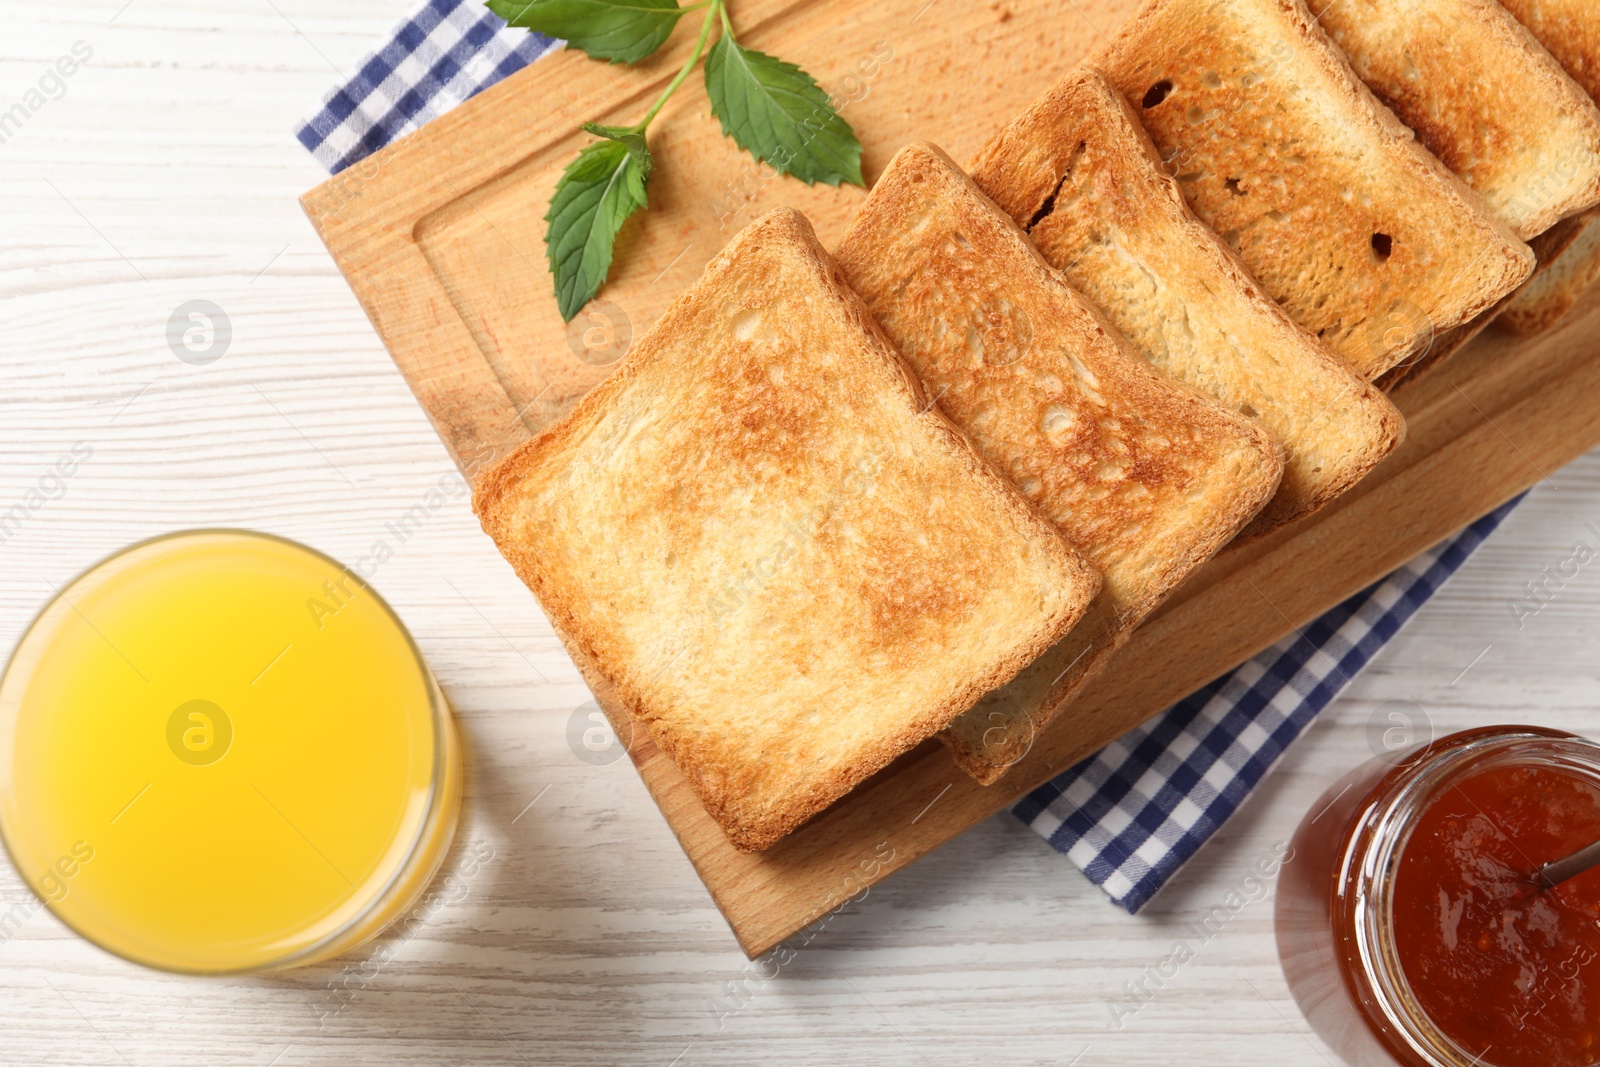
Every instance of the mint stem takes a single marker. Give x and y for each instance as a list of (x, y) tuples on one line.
[(717, 6)]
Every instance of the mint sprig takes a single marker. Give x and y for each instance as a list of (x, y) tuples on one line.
[(778, 113), (595, 196), (621, 31), (772, 109)]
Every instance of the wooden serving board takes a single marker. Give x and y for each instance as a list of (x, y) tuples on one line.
[(441, 237)]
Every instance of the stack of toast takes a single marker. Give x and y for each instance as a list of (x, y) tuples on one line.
[(832, 506), (1149, 478)]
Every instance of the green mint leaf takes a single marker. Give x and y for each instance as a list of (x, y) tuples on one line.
[(595, 196), (778, 113), (622, 31)]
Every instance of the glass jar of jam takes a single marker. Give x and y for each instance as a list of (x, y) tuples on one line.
[(1409, 924)]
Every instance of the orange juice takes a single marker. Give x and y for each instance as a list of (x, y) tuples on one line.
[(220, 751)]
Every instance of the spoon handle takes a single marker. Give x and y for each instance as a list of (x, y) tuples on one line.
[(1553, 874)]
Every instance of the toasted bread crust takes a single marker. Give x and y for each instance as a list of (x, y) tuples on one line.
[(1483, 95), (1148, 477), (758, 529), (1569, 29), (1535, 307), (1330, 202), (1418, 367), (1569, 264), (1078, 171), (1549, 245)]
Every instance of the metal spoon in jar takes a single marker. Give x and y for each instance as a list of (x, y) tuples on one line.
[(1553, 874)]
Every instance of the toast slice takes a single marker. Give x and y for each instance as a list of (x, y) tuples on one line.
[(1483, 95), (1568, 266), (1331, 203), (1080, 174), (1145, 475), (1570, 30), (787, 560)]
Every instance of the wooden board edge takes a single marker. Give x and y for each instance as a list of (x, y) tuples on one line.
[(453, 383), (379, 258)]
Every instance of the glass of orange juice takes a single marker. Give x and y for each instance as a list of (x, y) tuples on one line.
[(221, 752)]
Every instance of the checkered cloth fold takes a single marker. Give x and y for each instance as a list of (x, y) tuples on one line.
[(445, 52), (1130, 816)]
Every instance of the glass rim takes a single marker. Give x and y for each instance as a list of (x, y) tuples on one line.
[(445, 746)]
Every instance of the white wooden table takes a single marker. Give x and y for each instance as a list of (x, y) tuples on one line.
[(166, 172)]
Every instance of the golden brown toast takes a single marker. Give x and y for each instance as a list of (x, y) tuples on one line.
[(1570, 29), (1145, 475), (1483, 95), (790, 564), (1078, 171), (1330, 202)]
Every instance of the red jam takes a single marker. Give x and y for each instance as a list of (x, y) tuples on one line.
[(1510, 972), (1409, 927)]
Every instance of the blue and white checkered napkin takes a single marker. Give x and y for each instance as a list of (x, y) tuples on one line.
[(445, 52), (1132, 814)]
